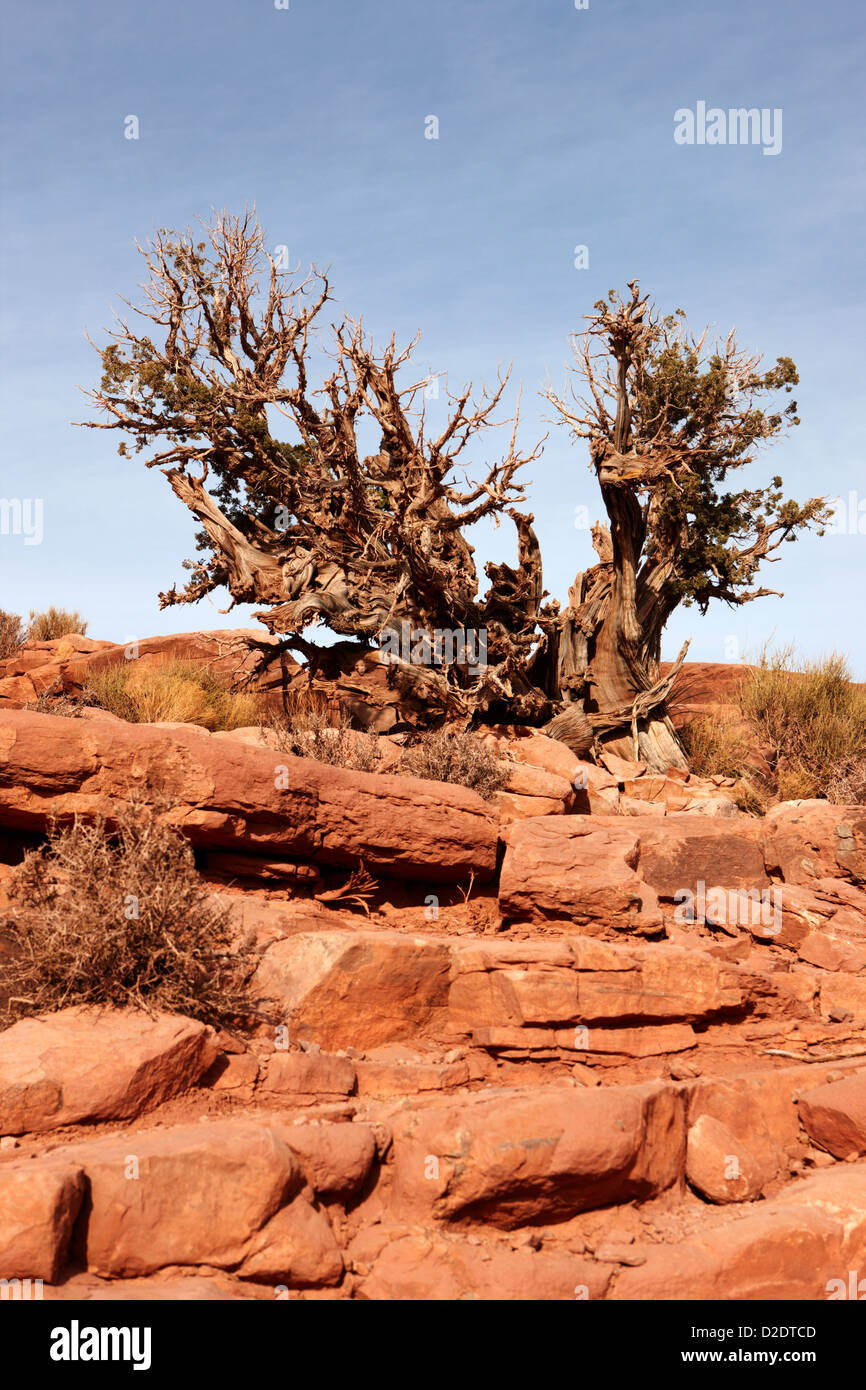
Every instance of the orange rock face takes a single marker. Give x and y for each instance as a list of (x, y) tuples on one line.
[(228, 794), (554, 1052), (96, 1064)]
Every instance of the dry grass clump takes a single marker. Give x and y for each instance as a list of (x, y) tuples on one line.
[(751, 796), (441, 756), (716, 747), (54, 700), (120, 918), (54, 622), (809, 717), (304, 728), (720, 747), (847, 785), (12, 634), (173, 691)]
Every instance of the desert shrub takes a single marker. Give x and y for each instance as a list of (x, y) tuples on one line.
[(751, 796), (716, 747), (720, 747), (12, 634), (809, 717), (172, 691), (847, 783), (121, 918), (305, 729), (54, 622), (441, 756)]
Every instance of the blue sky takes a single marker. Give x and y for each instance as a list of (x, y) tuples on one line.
[(555, 130)]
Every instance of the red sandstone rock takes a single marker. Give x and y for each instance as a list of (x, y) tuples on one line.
[(679, 856), (187, 1195), (307, 1077), (384, 1078), (723, 1166), (96, 1064), (67, 662), (845, 992), (355, 989), (621, 768), (548, 754), (774, 1254), (439, 1267), (335, 1158), (577, 870), (827, 951), (296, 1248), (793, 1248), (638, 806), (809, 840), (834, 1116), (227, 794), (515, 1157), (526, 780), (38, 1207), (513, 808)]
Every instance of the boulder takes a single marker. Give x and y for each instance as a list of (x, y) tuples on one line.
[(585, 982), (694, 850), (725, 1167), (621, 768), (775, 1254), (307, 1078), (381, 1076), (513, 808), (834, 1115), (96, 1064), (38, 1208), (808, 840), (526, 780), (296, 1248), (799, 1246), (539, 1155), (844, 994), (186, 1195), (548, 754), (830, 953), (576, 871), (357, 989), (225, 794), (336, 1159)]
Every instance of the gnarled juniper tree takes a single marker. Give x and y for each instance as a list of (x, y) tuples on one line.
[(313, 530), (666, 419)]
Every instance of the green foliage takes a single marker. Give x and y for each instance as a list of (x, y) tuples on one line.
[(686, 402), (704, 412)]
